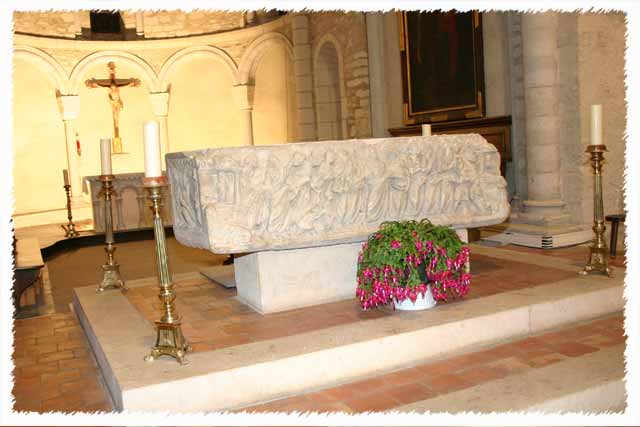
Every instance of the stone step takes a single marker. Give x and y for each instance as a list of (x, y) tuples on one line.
[(591, 383), (243, 375), (576, 368)]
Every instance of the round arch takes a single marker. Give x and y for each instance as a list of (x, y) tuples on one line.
[(46, 63), (207, 51), (106, 56), (251, 57)]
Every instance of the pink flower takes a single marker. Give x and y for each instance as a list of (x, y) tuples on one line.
[(395, 244), (419, 245)]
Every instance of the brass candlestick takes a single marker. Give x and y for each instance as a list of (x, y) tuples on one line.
[(70, 228), (111, 278), (598, 261), (169, 340)]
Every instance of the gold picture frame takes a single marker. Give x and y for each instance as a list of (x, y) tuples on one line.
[(442, 66)]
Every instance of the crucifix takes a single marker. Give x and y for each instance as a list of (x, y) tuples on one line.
[(113, 84)]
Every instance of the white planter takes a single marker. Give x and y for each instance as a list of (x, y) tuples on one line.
[(421, 303)]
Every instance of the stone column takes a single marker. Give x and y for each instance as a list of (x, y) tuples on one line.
[(160, 108), (140, 24), (377, 81), (243, 95), (70, 107), (302, 67), (544, 204)]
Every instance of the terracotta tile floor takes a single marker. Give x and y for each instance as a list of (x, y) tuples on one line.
[(427, 380), (578, 253), (213, 319), (54, 367), (55, 371)]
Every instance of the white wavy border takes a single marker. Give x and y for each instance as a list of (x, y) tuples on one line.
[(632, 238)]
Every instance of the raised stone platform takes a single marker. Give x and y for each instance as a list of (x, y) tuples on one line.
[(274, 362)]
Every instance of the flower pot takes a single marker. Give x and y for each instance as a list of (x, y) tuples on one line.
[(421, 302)]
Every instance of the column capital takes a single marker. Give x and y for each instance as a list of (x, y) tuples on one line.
[(159, 103), (243, 96), (69, 106)]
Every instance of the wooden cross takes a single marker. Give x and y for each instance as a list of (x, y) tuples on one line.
[(113, 84)]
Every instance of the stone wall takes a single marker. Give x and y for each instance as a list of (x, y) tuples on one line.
[(164, 24), (156, 24), (56, 24), (350, 32)]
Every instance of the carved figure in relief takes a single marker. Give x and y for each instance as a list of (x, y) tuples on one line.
[(185, 195)]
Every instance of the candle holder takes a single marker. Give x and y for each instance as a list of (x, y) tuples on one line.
[(111, 269), (598, 261), (70, 228), (169, 340)]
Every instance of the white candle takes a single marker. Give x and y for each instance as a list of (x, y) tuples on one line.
[(105, 156), (152, 164), (596, 124), (65, 176), (426, 130)]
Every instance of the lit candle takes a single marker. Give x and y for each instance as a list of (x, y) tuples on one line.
[(596, 124), (426, 130), (65, 176), (152, 164), (105, 156)]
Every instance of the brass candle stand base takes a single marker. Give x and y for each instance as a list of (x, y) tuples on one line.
[(111, 278), (169, 340), (598, 251), (70, 227)]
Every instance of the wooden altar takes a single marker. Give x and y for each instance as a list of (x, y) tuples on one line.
[(496, 130)]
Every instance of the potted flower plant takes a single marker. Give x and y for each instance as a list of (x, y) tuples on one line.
[(404, 262)]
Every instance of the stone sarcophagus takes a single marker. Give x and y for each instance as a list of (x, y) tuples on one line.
[(325, 197)]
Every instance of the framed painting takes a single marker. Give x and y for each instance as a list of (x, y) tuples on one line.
[(442, 66)]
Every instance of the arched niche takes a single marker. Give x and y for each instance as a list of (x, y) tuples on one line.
[(95, 119), (202, 110), (274, 108), (39, 146), (329, 92)]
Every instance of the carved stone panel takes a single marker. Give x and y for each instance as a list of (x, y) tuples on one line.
[(322, 193), (129, 208)]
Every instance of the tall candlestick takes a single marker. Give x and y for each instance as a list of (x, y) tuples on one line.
[(105, 156), (152, 163), (65, 176), (596, 124), (426, 130)]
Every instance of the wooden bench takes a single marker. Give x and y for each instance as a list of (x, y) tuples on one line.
[(615, 222), (28, 265)]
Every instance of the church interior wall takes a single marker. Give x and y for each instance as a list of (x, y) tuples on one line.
[(601, 49)]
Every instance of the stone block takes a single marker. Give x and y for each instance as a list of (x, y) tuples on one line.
[(272, 281)]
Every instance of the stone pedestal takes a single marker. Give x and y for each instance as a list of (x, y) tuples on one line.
[(272, 281)]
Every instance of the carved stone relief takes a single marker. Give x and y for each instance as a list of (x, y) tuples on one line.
[(321, 193)]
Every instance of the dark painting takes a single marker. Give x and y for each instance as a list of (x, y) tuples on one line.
[(442, 66)]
